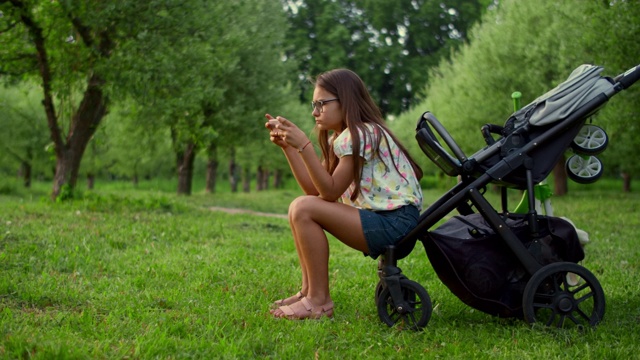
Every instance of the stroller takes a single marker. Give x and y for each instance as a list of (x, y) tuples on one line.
[(508, 265)]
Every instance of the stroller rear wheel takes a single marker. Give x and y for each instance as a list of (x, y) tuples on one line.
[(415, 311), (591, 140), (584, 170), (562, 295)]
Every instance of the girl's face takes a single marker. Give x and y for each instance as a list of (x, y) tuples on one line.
[(329, 115)]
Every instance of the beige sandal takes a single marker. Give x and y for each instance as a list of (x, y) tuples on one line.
[(284, 302), (288, 301), (304, 309)]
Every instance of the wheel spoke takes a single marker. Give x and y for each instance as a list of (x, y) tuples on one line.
[(580, 288), (551, 319), (410, 319), (394, 315), (585, 297), (583, 315), (543, 306)]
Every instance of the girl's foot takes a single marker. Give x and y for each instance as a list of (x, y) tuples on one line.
[(288, 301), (304, 309)]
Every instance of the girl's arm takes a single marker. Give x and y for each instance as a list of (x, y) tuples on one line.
[(329, 186), (299, 170), (307, 168), (277, 136)]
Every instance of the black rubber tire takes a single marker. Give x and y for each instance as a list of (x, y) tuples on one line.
[(551, 298), (415, 318), (379, 288)]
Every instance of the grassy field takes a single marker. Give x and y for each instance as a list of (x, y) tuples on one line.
[(142, 274)]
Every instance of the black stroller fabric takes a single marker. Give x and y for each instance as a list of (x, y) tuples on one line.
[(479, 268)]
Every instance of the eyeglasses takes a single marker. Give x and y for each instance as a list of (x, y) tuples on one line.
[(318, 105)]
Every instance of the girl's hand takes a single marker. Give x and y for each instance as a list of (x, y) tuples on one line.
[(289, 133), (274, 134)]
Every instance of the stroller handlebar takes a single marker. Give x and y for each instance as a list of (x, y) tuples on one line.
[(629, 77), (444, 134)]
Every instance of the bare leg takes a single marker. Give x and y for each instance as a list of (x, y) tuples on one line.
[(303, 267), (310, 216), (305, 283)]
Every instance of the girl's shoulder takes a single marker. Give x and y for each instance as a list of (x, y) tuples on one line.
[(368, 133)]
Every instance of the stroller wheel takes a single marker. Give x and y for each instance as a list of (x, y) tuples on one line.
[(591, 140), (379, 288), (413, 313), (563, 295), (584, 170)]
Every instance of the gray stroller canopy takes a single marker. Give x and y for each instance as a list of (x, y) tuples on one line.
[(584, 84)]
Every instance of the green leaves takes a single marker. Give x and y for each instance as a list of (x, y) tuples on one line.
[(389, 44)]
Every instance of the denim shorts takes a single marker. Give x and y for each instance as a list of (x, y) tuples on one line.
[(383, 228)]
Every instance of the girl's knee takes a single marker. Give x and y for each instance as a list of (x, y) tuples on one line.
[(302, 206)]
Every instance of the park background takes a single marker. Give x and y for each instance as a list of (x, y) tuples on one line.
[(124, 123)]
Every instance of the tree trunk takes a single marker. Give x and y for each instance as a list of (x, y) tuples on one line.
[(66, 176), (25, 172), (233, 172), (277, 179), (91, 180), (265, 179), (84, 123), (626, 182), (246, 179), (185, 169), (212, 169), (261, 183), (560, 178)]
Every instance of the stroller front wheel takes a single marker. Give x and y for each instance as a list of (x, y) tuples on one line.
[(379, 288), (563, 294), (415, 310)]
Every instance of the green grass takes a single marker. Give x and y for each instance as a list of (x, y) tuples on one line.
[(140, 274)]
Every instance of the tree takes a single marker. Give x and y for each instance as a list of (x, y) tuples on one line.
[(70, 46), (254, 85), (519, 46), (612, 38), (390, 44), (221, 67), (177, 60), (24, 133), (131, 151)]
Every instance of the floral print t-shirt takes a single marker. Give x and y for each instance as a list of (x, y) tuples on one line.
[(382, 187)]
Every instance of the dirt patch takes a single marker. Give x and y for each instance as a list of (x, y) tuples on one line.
[(245, 211)]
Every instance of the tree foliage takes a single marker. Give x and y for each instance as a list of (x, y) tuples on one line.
[(186, 63), (529, 47), (613, 41), (391, 44), (23, 139)]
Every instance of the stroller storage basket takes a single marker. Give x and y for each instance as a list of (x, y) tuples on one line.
[(472, 261)]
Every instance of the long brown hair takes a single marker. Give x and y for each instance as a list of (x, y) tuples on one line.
[(358, 109)]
